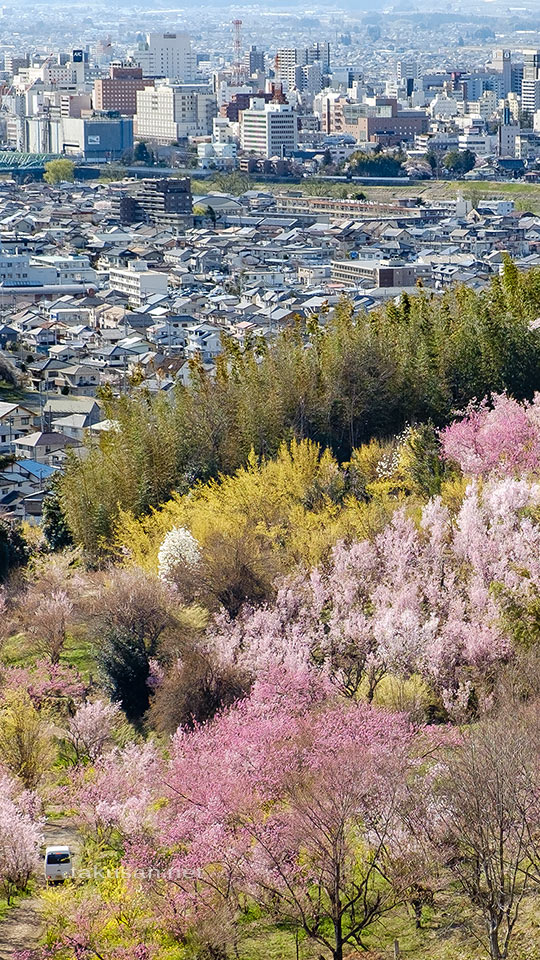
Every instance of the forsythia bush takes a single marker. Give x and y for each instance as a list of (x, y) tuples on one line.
[(299, 504)]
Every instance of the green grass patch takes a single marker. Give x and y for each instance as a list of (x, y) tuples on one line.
[(443, 936), (78, 652), (15, 652), (5, 910)]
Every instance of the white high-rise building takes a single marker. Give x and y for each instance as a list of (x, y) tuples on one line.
[(289, 58), (530, 87), (172, 111), (167, 55), (268, 129)]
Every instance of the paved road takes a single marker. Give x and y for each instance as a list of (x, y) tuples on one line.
[(22, 927)]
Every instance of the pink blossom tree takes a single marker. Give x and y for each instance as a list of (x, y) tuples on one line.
[(47, 608), (55, 686), (47, 619), (291, 800), (428, 599), (113, 798), (91, 729), (503, 438), (20, 839)]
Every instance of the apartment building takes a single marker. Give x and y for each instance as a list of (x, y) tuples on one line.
[(331, 209), (165, 201), (137, 282), (71, 269), (379, 273), (288, 59)]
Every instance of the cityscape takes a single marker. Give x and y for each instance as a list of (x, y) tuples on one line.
[(269, 481)]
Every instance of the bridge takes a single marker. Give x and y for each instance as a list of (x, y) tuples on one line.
[(31, 166)]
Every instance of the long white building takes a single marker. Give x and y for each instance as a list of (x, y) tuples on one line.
[(172, 111)]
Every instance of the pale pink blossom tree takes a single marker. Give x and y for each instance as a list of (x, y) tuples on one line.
[(114, 797), (20, 838), (91, 730), (426, 599), (46, 621)]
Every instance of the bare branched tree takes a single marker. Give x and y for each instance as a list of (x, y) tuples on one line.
[(485, 821)]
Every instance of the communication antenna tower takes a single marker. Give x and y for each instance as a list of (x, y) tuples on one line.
[(238, 67)]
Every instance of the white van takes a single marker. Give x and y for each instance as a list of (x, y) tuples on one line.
[(58, 866)]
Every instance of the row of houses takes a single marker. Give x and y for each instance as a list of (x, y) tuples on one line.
[(127, 306)]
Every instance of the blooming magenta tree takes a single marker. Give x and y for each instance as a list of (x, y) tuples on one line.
[(503, 439), (290, 799), (56, 686)]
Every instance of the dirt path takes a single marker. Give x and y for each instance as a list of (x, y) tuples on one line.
[(22, 927)]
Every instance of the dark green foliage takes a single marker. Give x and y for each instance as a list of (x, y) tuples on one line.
[(459, 161), (8, 371), (123, 661), (376, 164), (141, 154), (55, 527), (424, 463), (339, 382), (14, 551)]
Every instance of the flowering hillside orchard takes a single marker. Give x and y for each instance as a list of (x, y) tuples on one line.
[(295, 712)]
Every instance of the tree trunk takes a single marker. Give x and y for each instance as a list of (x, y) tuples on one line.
[(338, 936), (494, 949)]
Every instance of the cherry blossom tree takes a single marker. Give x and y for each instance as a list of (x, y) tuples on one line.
[(91, 729), (502, 439), (20, 839), (427, 599), (113, 798), (291, 800), (46, 621), (47, 608)]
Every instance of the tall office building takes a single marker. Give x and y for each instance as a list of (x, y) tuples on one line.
[(167, 55), (268, 129), (119, 90), (530, 86), (502, 63), (254, 61), (407, 70), (288, 59)]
